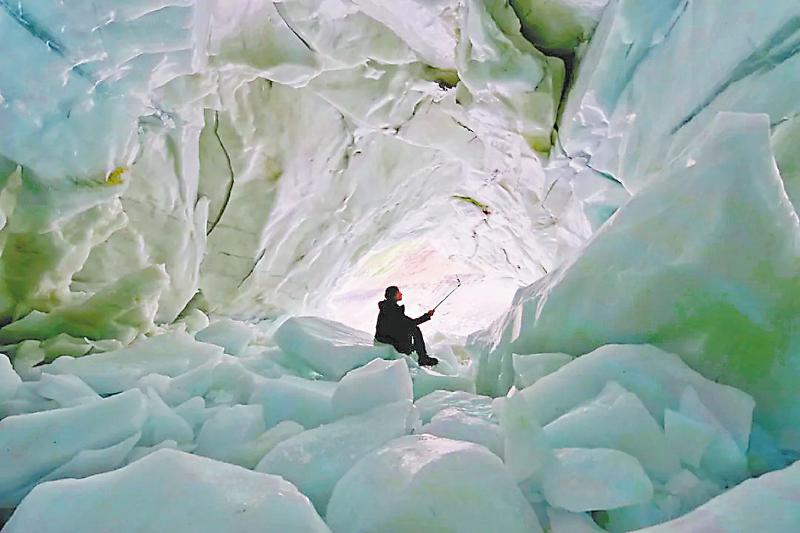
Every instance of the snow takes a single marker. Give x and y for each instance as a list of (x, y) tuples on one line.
[(173, 491)]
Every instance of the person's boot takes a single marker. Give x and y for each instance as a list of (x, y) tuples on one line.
[(425, 360)]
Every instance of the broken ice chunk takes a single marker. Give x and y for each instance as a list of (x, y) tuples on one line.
[(9, 380), (592, 479), (454, 424), (688, 437), (529, 368), (172, 491), (65, 389), (232, 335), (170, 355), (33, 445), (329, 347), (292, 398), (527, 452), (426, 483), (616, 419), (767, 503), (376, 383), (315, 459)]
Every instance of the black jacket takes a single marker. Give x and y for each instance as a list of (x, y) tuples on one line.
[(393, 325)]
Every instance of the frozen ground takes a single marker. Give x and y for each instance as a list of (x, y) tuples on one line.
[(201, 202)]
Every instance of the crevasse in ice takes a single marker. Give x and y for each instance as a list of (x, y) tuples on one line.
[(201, 202)]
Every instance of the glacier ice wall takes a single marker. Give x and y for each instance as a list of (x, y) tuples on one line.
[(254, 149), (703, 258), (252, 158)]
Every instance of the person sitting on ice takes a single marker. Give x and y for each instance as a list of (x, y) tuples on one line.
[(402, 332)]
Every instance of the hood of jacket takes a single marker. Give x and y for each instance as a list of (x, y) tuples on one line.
[(387, 305)]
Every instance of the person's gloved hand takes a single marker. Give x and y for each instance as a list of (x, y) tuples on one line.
[(430, 313)]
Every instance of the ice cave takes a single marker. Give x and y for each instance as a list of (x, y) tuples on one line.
[(202, 203)]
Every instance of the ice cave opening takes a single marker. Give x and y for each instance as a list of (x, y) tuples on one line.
[(202, 202)]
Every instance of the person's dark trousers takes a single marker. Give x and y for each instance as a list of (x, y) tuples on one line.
[(418, 343)]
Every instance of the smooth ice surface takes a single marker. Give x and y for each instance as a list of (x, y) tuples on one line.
[(33, 445), (173, 491), (329, 347), (376, 383), (767, 503), (315, 460), (584, 479), (423, 483)]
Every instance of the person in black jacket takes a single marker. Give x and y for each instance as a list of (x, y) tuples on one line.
[(402, 332)]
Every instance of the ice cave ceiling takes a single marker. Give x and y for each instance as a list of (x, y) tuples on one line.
[(596, 172)]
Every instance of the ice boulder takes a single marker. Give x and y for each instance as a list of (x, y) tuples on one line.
[(170, 355), (305, 401), (457, 425), (9, 380), (593, 479), (768, 503), (168, 491), (232, 335), (376, 383), (33, 445), (329, 347), (425, 483), (316, 459)]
